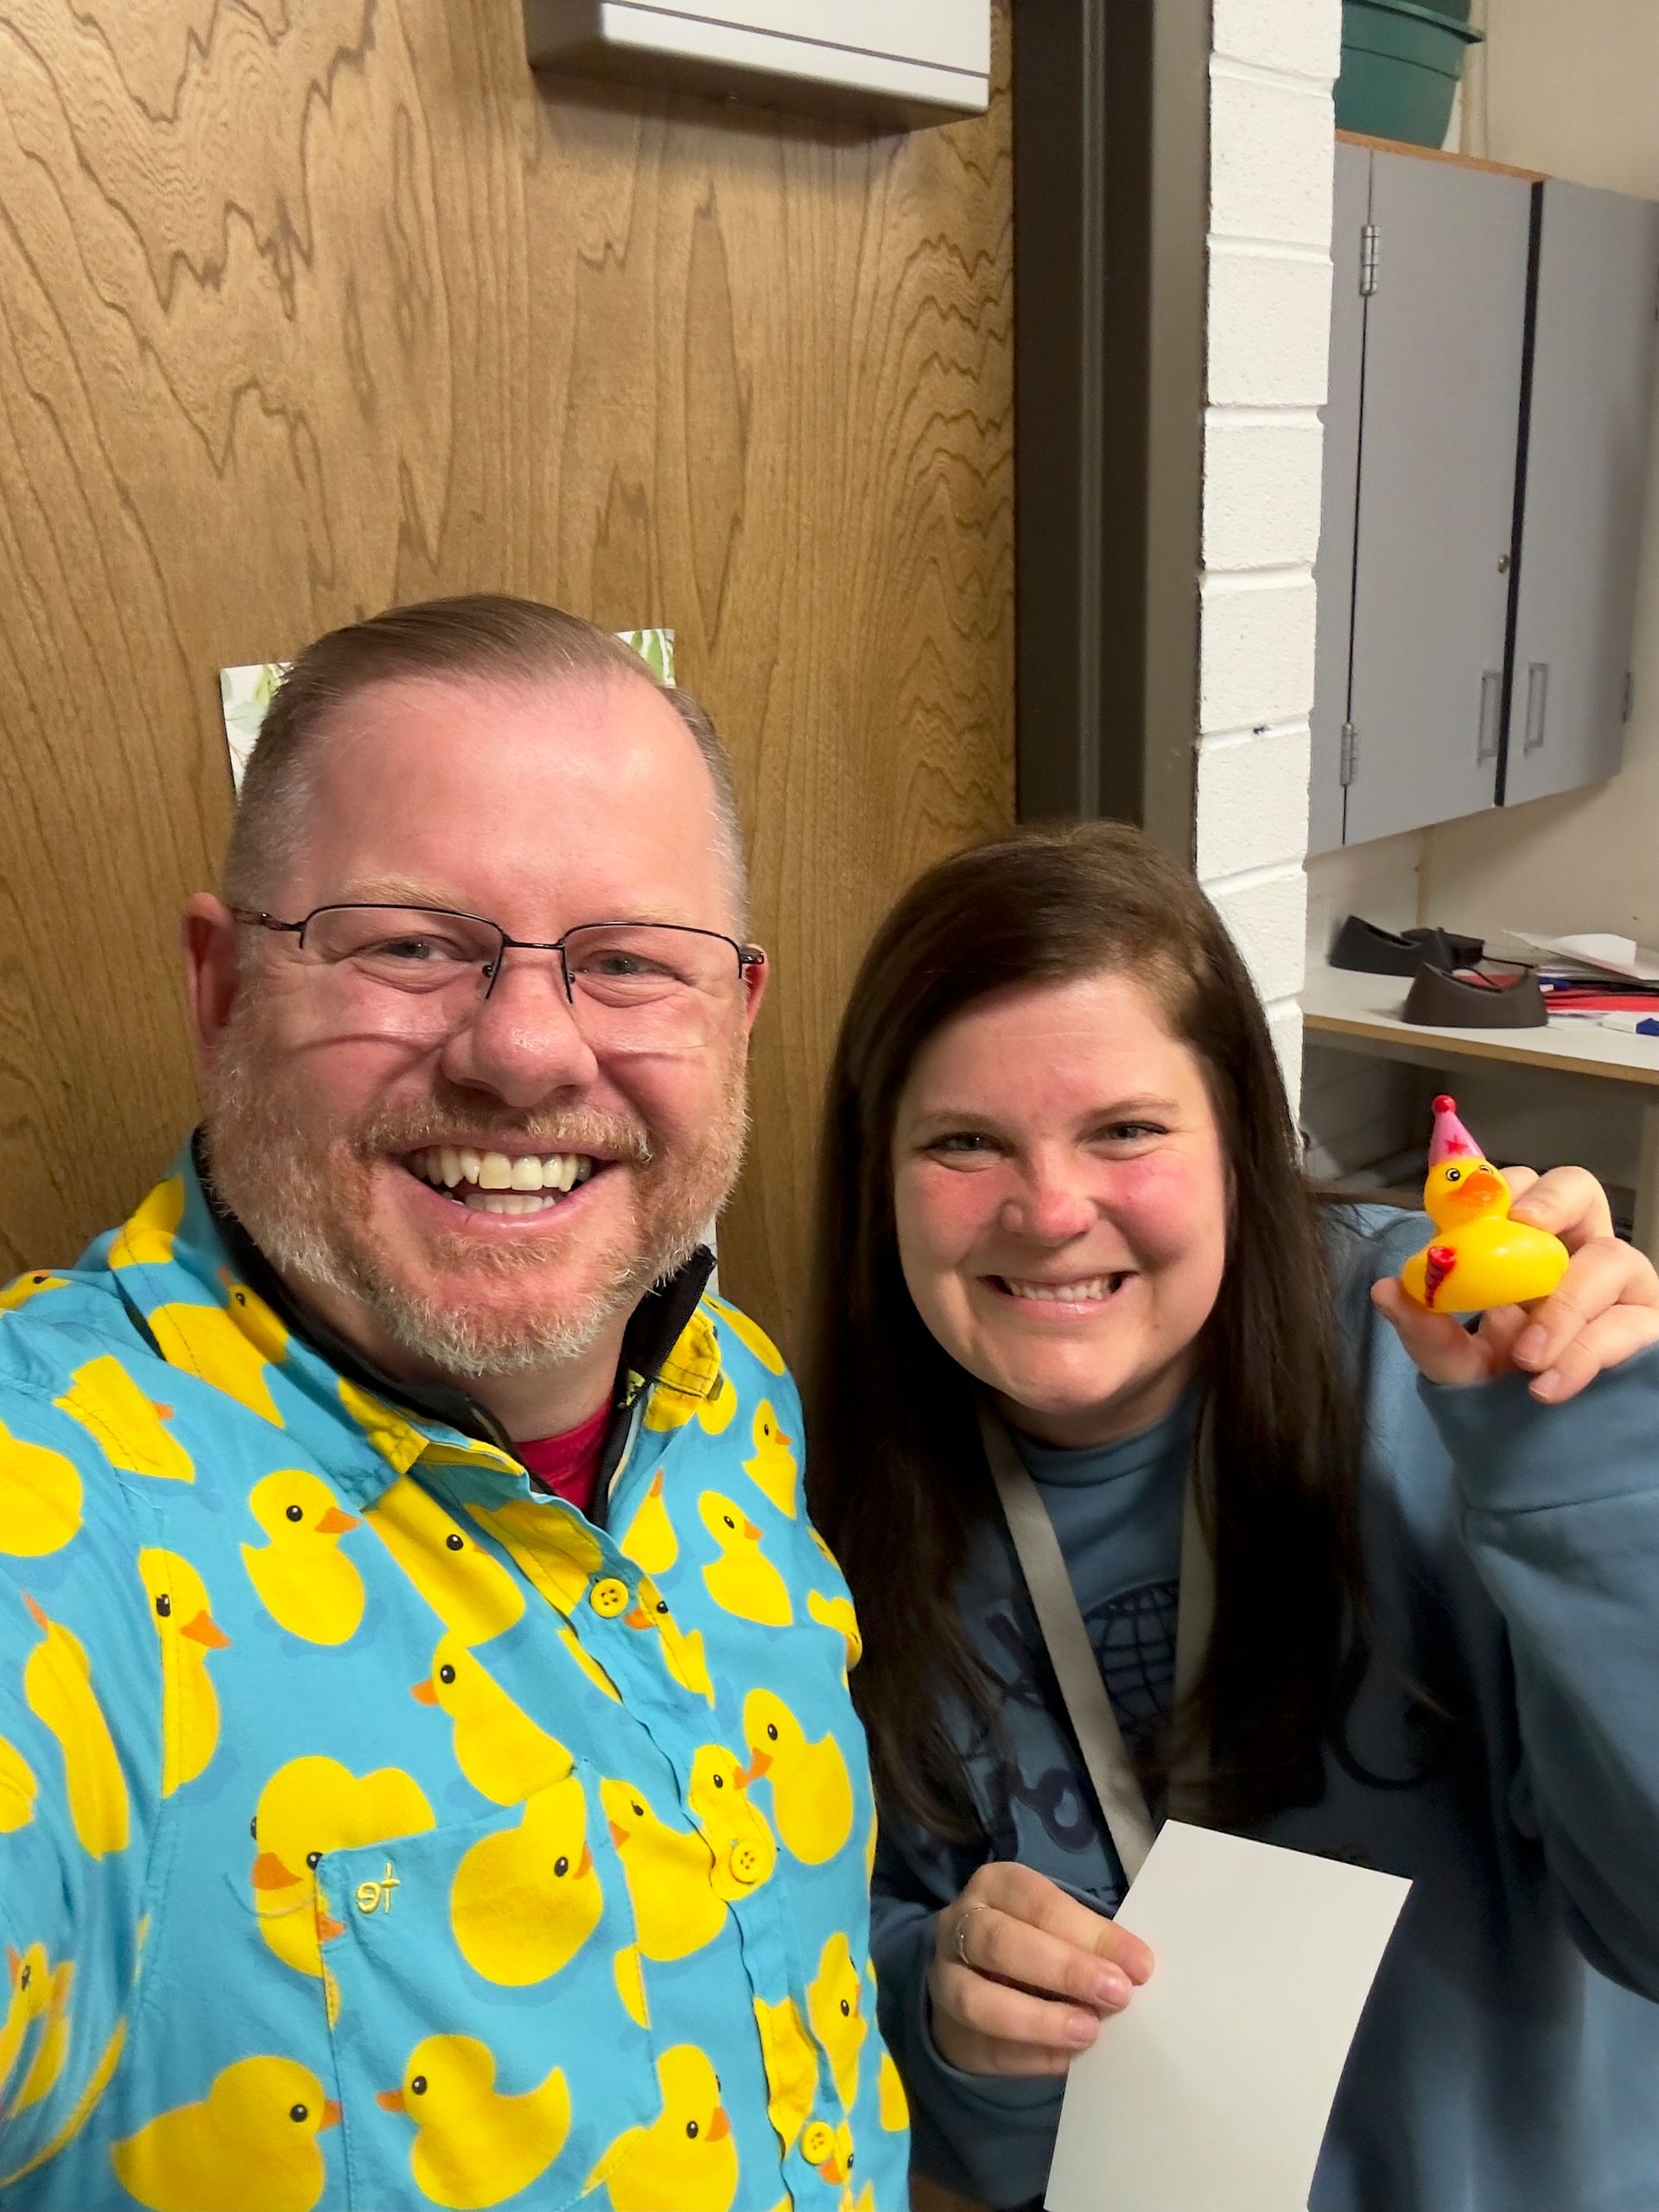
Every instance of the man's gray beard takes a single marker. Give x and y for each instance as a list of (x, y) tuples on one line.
[(287, 1198)]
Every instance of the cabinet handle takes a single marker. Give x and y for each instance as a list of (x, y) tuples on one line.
[(1491, 694), (1537, 703)]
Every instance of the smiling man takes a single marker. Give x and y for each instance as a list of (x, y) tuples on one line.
[(394, 1535)]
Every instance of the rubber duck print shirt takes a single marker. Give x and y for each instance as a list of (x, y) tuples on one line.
[(377, 1831)]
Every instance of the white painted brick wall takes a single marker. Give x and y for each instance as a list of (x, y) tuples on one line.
[(1271, 152)]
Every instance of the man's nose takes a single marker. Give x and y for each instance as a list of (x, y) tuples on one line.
[(522, 1041), (1053, 1203)]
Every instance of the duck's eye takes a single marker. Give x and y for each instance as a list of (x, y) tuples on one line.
[(253, 1827), (456, 1543), (296, 1513), (446, 1673), (846, 2009), (691, 2130), (638, 1812), (1454, 1174), (26, 1977), (417, 2086), (662, 1604), (313, 1859), (728, 1519), (561, 1865), (299, 2111), (719, 1782), (164, 1607), (240, 1296), (771, 1730)]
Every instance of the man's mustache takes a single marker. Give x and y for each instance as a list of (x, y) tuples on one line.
[(425, 1122)]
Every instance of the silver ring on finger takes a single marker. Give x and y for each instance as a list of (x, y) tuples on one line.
[(963, 1919)]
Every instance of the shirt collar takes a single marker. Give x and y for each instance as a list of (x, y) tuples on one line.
[(183, 1241)]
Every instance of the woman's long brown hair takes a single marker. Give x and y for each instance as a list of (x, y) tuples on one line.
[(896, 1477)]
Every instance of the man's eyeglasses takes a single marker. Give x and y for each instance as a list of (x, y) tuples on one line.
[(630, 986)]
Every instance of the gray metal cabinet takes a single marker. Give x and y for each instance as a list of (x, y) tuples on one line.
[(1492, 363), (1445, 327), (1334, 569), (1584, 463)]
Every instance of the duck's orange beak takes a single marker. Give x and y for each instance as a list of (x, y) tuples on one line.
[(1485, 1185), (327, 1929), (35, 1612), (751, 1531), (756, 1767), (720, 2126), (335, 1523), (204, 1628), (331, 2115), (270, 1873), (390, 2101), (636, 1617), (587, 1863), (423, 1693), (619, 1836)]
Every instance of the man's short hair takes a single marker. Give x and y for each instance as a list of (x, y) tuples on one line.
[(486, 634)]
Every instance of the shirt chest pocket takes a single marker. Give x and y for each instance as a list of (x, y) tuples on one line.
[(485, 1979)]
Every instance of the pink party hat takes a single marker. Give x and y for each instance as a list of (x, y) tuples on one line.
[(1451, 1139)]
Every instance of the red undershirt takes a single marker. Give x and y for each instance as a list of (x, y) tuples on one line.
[(568, 1464)]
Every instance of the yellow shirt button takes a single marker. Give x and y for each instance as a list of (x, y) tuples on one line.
[(817, 2142), (745, 1863), (609, 1597)]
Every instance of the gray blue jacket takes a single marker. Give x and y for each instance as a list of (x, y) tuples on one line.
[(1507, 2060)]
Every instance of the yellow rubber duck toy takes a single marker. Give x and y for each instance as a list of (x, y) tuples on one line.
[(498, 1747), (305, 1582), (772, 1469), (676, 1908), (835, 2006), (792, 2064), (469, 1589), (1478, 1258), (308, 1808), (183, 1620), (40, 1498), (735, 1831), (230, 1346), (693, 1383), (18, 1790), (650, 1542), (811, 1790), (686, 2160), (473, 2147), (525, 1900), (251, 2142), (743, 1580), (124, 1423), (58, 1683)]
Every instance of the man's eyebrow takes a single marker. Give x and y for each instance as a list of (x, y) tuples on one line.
[(395, 891)]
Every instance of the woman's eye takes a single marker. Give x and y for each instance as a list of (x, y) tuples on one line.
[(1133, 1132), (960, 1144)]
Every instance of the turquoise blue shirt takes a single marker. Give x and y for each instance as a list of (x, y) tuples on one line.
[(377, 1831)]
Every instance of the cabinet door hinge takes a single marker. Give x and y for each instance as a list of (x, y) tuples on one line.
[(1349, 754), (1367, 260)]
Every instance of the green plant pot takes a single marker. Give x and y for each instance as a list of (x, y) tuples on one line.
[(1401, 66)]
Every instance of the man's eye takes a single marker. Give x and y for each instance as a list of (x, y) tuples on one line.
[(414, 951)]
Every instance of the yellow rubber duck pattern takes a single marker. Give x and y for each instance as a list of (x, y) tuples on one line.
[(377, 1830)]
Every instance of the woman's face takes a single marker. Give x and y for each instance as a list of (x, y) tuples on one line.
[(1061, 1199)]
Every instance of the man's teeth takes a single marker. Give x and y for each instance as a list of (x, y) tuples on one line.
[(492, 1182), (1065, 1293)]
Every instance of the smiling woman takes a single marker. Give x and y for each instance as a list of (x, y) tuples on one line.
[(1063, 1220)]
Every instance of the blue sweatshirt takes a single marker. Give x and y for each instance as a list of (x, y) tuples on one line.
[(1507, 2060)]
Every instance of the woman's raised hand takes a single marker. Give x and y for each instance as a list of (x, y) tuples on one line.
[(1605, 1308), (1022, 1974)]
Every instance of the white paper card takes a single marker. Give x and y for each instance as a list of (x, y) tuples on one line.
[(1214, 2087)]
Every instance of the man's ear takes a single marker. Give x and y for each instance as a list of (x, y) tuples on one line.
[(207, 937), (755, 977)]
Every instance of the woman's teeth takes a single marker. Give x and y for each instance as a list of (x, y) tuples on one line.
[(1065, 1293), (493, 1182)]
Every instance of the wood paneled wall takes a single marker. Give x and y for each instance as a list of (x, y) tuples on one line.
[(306, 309)]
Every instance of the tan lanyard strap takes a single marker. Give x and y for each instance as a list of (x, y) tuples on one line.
[(1060, 1622)]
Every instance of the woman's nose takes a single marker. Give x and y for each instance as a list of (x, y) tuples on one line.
[(1051, 1206)]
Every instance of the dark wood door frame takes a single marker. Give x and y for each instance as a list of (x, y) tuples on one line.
[(1111, 209)]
